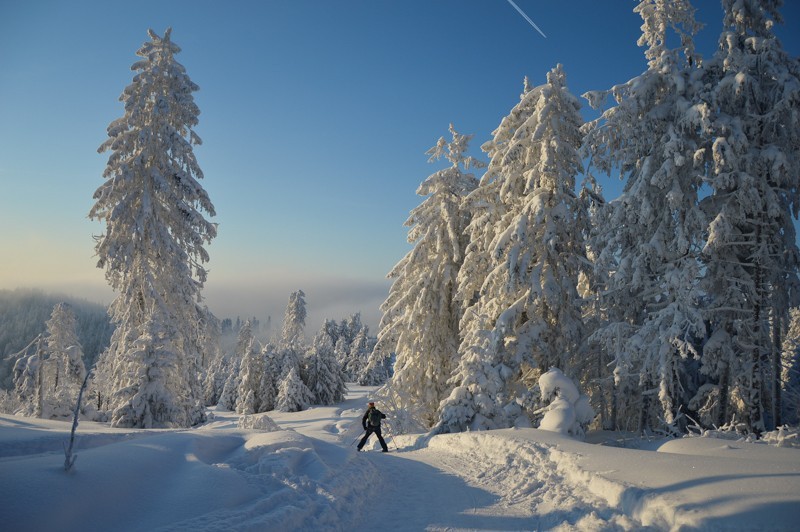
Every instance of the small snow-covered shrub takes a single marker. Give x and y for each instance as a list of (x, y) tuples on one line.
[(784, 436), (258, 422), (569, 411), (733, 430)]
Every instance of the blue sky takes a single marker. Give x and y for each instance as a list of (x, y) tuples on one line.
[(316, 116)]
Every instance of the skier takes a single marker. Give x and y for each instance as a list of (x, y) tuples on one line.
[(372, 423)]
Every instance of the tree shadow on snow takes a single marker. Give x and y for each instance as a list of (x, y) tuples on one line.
[(768, 516), (751, 516)]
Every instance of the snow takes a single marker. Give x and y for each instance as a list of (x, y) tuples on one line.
[(306, 475), (570, 411)]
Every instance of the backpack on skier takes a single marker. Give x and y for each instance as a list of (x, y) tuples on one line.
[(374, 417)]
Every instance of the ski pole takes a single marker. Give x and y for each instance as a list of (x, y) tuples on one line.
[(392, 436)]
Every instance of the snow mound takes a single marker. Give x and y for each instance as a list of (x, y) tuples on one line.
[(258, 422), (570, 411)]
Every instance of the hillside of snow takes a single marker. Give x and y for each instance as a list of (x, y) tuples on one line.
[(305, 474)]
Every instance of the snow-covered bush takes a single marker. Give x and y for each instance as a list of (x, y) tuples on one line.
[(258, 422), (570, 411), (784, 436)]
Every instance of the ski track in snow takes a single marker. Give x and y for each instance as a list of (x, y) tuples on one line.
[(511, 486)]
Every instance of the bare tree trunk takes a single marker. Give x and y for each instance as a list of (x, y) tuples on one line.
[(614, 405), (724, 392), (777, 342), (755, 396)]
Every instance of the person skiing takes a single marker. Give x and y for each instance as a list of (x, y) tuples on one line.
[(372, 424)]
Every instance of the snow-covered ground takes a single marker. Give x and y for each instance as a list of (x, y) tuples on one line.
[(308, 476)]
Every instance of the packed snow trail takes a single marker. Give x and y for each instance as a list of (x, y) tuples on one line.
[(526, 489), (436, 489), (459, 481)]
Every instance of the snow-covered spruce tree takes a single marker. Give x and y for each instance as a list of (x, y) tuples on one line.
[(378, 369), (230, 390), (477, 379), (325, 377), (64, 370), (333, 330), (293, 394), (528, 314), (209, 338), (251, 373), (421, 315), (268, 390), (214, 379), (357, 356), (752, 90), (291, 346), (342, 350), (343, 334), (649, 239), (294, 320), (153, 246), (350, 327)]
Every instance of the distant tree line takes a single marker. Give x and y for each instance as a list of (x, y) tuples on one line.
[(23, 317)]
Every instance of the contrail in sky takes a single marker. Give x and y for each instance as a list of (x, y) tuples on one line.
[(521, 12)]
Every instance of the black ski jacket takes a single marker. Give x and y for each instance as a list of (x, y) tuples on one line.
[(365, 419)]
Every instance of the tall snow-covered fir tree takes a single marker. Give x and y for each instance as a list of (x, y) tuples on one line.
[(292, 342), (292, 392), (528, 313), (649, 238), (421, 314), (752, 90), (294, 320), (152, 250)]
